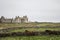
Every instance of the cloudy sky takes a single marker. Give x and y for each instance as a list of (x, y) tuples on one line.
[(36, 10)]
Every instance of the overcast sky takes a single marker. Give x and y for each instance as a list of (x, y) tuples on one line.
[(36, 10)]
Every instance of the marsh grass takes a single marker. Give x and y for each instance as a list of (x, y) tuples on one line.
[(43, 37)]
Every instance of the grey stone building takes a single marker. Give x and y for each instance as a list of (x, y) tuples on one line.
[(17, 19)]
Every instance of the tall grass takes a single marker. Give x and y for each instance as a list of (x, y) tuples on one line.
[(55, 37)]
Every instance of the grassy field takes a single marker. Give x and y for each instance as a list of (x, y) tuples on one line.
[(6, 25), (35, 29), (51, 37), (41, 37)]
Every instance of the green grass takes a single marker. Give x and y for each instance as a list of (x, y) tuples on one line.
[(5, 25), (41, 37), (35, 29), (54, 37)]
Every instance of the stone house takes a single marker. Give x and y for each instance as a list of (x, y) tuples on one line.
[(17, 19)]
